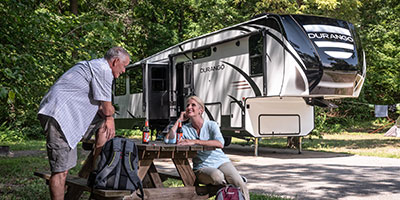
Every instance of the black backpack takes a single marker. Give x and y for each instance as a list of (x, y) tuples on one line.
[(117, 168)]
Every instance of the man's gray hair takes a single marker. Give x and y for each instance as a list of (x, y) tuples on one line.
[(116, 52)]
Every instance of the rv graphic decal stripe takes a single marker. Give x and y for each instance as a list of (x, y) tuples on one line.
[(244, 84), (287, 49), (245, 88), (253, 85), (335, 44), (238, 82), (326, 28), (339, 54), (239, 103), (208, 114)]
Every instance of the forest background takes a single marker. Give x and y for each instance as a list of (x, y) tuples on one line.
[(40, 40)]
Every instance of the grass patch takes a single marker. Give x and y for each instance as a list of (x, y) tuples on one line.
[(18, 182), (170, 182), (254, 196), (26, 145)]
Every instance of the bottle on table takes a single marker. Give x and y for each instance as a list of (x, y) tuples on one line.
[(146, 133), (179, 133)]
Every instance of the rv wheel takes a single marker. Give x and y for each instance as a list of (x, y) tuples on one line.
[(228, 140)]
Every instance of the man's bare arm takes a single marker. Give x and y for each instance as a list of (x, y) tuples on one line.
[(107, 109)]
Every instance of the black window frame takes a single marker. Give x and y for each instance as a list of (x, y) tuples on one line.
[(256, 54)]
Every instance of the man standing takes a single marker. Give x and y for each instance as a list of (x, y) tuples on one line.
[(78, 103)]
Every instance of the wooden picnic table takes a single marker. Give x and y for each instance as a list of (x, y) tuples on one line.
[(151, 178)]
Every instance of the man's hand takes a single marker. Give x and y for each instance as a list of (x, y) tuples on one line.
[(109, 128), (106, 110)]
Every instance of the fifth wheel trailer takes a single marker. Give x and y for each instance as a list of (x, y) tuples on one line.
[(259, 78)]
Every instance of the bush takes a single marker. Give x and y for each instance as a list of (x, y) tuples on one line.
[(9, 135)]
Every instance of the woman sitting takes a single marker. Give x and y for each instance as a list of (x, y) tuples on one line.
[(211, 167)]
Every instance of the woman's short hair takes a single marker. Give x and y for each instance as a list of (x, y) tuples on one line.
[(197, 99), (116, 52)]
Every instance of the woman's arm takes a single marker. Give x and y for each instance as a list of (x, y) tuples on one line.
[(210, 143), (214, 134)]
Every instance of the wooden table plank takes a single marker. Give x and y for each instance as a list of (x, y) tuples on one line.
[(182, 148), (188, 192), (168, 148), (196, 148)]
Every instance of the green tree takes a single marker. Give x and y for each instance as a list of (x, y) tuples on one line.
[(40, 40), (380, 33)]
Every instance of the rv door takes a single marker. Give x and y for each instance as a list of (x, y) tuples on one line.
[(184, 84), (156, 91)]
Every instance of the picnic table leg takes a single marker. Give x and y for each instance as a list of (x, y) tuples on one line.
[(144, 166), (154, 176), (75, 192), (185, 171)]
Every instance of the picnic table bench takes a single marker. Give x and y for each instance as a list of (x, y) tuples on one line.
[(152, 180)]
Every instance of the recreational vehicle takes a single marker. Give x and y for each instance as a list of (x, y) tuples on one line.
[(259, 78)]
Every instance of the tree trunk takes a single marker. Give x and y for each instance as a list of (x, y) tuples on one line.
[(74, 6), (299, 3)]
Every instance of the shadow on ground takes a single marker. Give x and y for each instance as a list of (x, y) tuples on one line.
[(240, 150), (318, 181)]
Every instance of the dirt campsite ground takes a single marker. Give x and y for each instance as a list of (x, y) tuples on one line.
[(314, 175)]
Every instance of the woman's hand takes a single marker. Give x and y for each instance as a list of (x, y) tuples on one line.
[(183, 117)]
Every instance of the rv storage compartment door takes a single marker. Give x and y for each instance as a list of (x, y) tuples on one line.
[(275, 116), (279, 124), (236, 115)]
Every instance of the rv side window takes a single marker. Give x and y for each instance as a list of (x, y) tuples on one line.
[(188, 73), (158, 79), (255, 53), (135, 80), (120, 85)]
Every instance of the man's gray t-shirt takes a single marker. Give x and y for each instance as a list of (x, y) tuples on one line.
[(75, 98)]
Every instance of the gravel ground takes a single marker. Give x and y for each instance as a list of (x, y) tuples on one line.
[(314, 175)]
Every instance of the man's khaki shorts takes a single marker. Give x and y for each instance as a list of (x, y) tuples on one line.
[(61, 156)]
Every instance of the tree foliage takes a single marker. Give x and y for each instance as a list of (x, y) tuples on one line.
[(380, 31), (40, 40)]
